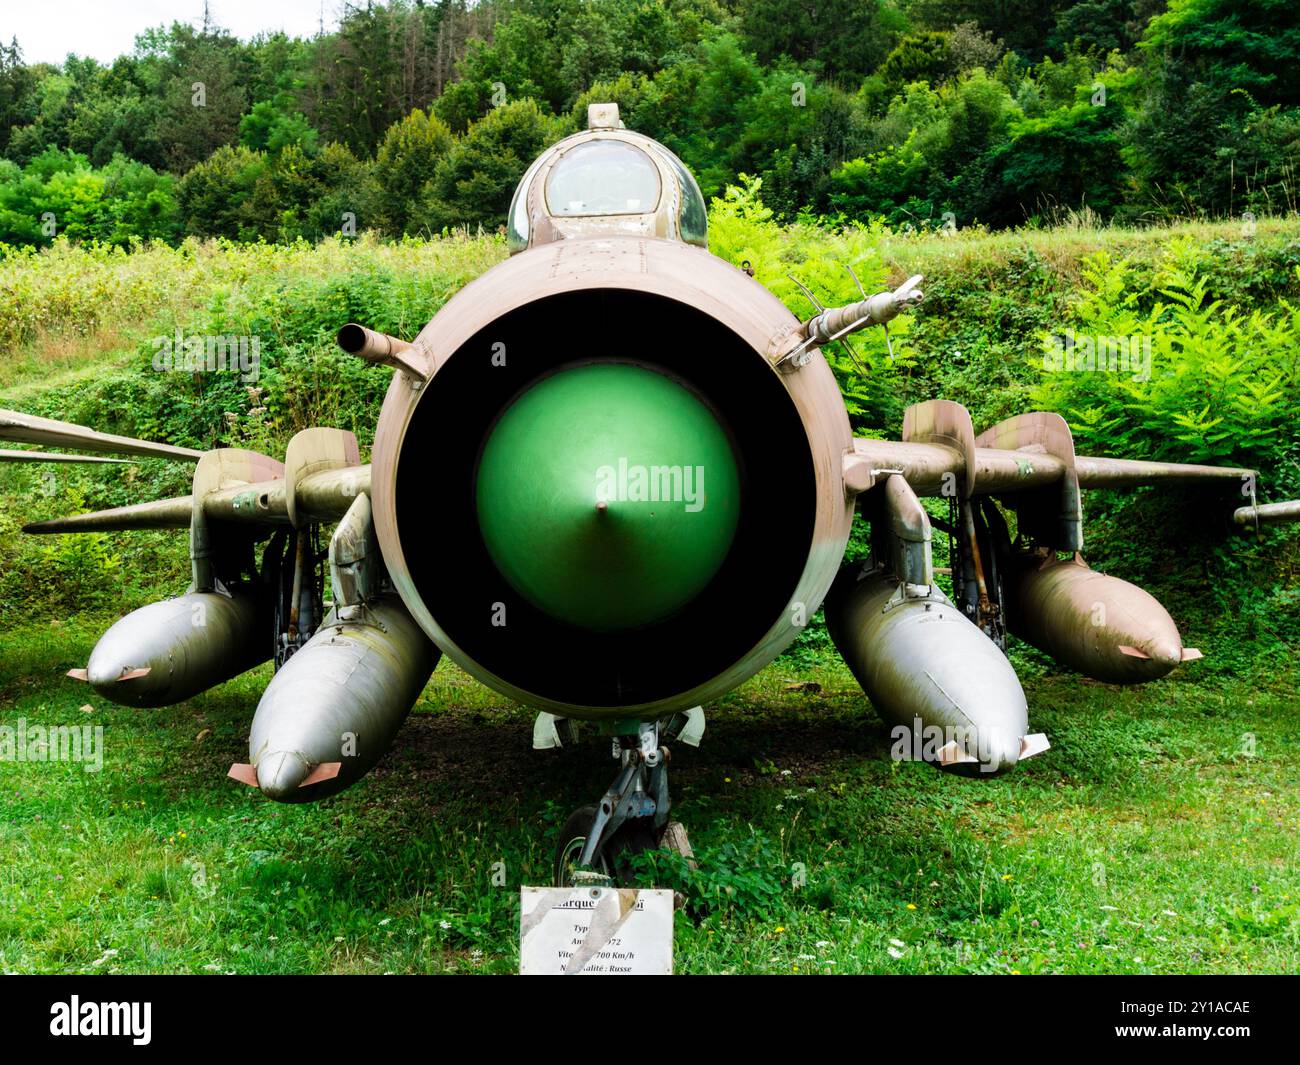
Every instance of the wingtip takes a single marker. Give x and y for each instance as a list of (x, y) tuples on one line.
[(77, 674), (244, 773)]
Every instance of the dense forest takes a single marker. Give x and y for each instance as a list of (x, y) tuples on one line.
[(417, 116)]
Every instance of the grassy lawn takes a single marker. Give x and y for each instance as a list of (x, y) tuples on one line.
[(1146, 840)]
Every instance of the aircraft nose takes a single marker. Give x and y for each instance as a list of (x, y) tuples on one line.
[(102, 670), (110, 658)]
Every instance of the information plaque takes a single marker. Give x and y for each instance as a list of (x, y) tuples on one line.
[(595, 930)]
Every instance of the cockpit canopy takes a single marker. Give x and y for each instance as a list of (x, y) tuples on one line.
[(602, 177), (606, 180)]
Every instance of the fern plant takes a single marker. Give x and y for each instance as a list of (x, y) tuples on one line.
[(1223, 385)]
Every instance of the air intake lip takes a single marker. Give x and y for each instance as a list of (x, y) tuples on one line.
[(478, 609)]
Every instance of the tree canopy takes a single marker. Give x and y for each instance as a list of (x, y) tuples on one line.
[(419, 115)]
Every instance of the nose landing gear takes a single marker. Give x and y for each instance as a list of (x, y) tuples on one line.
[(598, 841)]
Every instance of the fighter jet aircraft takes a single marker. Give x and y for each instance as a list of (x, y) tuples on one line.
[(620, 531)]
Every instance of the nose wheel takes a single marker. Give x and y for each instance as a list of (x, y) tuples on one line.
[(599, 841), (610, 864)]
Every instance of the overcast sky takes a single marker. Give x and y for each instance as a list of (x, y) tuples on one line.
[(47, 30)]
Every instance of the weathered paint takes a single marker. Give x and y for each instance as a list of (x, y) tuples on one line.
[(29, 429), (48, 456), (179, 647), (923, 664), (1085, 620), (998, 471), (340, 698), (1267, 513)]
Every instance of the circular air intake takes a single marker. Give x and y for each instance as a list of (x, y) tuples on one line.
[(539, 419)]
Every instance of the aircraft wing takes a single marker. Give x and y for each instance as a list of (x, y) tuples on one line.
[(941, 455), (318, 497), (1001, 470), (50, 456), (29, 429), (320, 478)]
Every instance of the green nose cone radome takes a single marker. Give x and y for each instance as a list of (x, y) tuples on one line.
[(608, 496)]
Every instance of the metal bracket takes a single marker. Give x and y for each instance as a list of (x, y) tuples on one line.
[(315, 451), (355, 565), (688, 726), (223, 468), (1053, 515), (550, 731), (941, 421), (903, 535)]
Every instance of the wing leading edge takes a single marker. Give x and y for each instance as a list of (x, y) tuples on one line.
[(941, 455), (29, 429)]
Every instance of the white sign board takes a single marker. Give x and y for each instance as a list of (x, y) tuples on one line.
[(595, 930)]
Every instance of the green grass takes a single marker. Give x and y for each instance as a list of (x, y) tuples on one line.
[(1144, 841)]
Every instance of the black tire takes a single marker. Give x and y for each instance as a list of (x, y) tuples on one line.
[(632, 837)]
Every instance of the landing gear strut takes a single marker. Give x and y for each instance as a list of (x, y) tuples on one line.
[(598, 841)]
